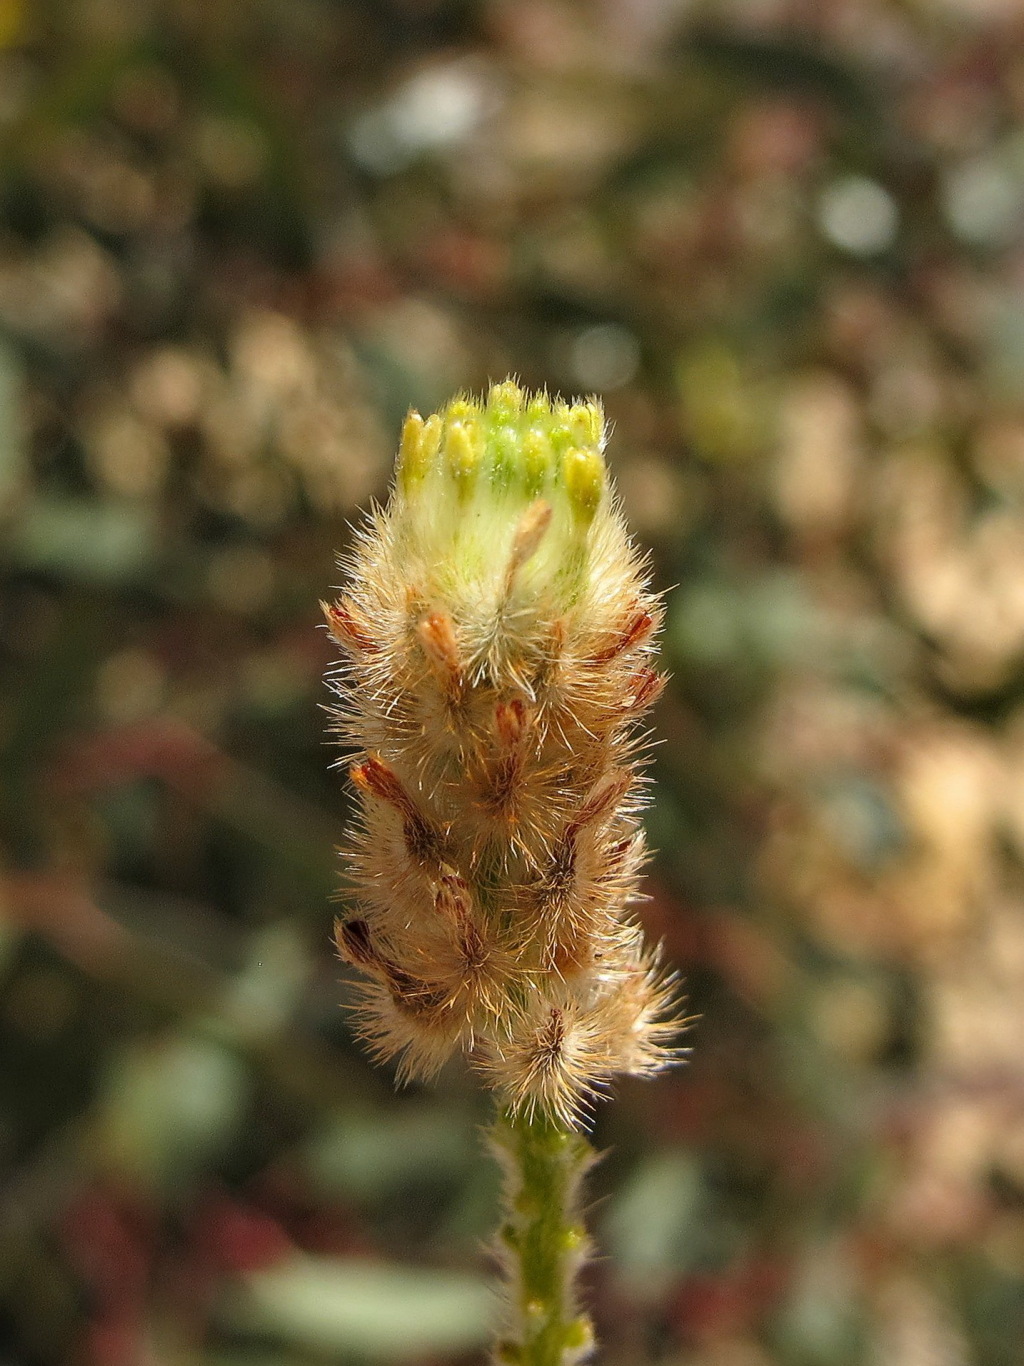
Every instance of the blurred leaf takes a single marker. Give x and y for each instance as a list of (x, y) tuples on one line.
[(769, 621), (823, 1321), (706, 623), (649, 1226), (366, 1155), (82, 538), (266, 991), (169, 1106), (358, 1309)]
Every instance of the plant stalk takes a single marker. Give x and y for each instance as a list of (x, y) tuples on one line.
[(543, 1241)]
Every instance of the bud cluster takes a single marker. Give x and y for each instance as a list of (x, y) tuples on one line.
[(497, 635)]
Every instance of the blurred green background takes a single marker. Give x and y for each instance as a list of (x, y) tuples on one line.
[(785, 240)]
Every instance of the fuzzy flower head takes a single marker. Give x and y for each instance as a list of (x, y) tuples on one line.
[(467, 474), (497, 639)]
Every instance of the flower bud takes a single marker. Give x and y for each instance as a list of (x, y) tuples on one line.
[(497, 633)]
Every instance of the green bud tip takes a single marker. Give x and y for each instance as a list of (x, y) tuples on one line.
[(529, 444), (461, 454), (583, 474), (412, 464)]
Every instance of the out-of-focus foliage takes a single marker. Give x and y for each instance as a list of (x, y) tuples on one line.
[(786, 241)]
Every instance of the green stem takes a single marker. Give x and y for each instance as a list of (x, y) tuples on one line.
[(543, 1241)]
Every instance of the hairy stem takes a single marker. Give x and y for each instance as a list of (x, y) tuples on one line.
[(543, 1240)]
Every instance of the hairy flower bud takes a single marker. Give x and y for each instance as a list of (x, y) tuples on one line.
[(497, 634)]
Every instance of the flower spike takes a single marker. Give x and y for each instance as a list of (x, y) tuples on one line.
[(497, 635)]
